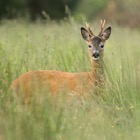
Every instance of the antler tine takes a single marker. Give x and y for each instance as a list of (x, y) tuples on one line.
[(89, 29), (102, 24)]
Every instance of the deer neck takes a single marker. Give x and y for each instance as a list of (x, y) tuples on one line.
[(98, 71)]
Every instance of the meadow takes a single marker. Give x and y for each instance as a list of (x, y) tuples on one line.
[(59, 46)]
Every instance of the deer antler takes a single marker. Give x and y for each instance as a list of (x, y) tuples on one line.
[(89, 29), (102, 24)]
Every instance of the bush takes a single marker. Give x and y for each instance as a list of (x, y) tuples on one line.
[(55, 9), (90, 8)]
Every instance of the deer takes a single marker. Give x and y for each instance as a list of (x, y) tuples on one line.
[(77, 83)]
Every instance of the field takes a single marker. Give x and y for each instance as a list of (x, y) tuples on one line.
[(59, 46)]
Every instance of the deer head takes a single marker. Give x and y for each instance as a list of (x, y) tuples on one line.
[(96, 43)]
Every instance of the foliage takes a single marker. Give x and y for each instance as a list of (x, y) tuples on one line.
[(123, 12), (55, 9), (91, 8), (59, 46), (114, 10), (11, 8)]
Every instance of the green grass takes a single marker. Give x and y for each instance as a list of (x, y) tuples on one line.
[(59, 46)]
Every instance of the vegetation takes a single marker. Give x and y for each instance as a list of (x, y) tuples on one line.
[(59, 46), (34, 8), (113, 10)]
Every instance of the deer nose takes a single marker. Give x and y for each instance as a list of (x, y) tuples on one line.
[(95, 55)]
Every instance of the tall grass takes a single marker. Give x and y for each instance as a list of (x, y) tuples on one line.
[(59, 46)]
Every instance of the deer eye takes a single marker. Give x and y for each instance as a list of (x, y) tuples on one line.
[(102, 46), (89, 46)]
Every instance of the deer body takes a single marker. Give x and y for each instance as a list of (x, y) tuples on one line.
[(56, 81), (53, 81)]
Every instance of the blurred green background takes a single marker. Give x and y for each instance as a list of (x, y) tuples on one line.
[(120, 11)]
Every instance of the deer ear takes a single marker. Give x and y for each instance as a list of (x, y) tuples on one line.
[(85, 34), (106, 33)]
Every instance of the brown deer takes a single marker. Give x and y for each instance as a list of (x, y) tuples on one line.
[(56, 81)]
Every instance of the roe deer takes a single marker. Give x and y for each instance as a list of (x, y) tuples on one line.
[(55, 81)]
